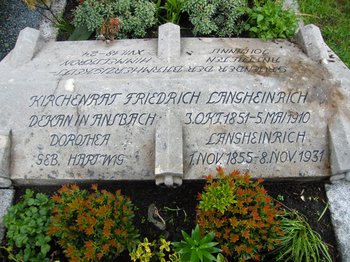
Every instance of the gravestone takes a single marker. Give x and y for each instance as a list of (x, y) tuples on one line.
[(167, 109)]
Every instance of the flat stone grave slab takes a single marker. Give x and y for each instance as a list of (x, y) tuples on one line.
[(92, 111)]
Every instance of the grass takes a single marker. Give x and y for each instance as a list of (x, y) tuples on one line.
[(332, 17), (300, 242)]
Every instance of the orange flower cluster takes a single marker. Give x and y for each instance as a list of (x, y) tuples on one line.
[(110, 28), (249, 226), (92, 226)]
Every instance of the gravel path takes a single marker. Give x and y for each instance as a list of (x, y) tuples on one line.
[(14, 16)]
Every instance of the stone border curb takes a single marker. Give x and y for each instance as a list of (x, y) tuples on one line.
[(6, 199), (311, 41), (339, 204)]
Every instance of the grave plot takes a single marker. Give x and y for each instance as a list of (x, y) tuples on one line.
[(167, 109)]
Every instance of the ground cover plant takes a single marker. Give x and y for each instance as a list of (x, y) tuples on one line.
[(93, 226), (241, 214), (200, 17), (332, 16), (27, 225), (222, 18), (270, 20), (177, 208)]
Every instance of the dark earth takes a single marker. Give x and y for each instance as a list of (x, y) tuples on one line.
[(177, 207)]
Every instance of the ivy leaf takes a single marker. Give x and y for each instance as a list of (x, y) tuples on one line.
[(45, 249)]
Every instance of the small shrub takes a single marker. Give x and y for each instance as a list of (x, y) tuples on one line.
[(154, 251), (243, 218), (299, 242), (27, 224), (271, 21), (92, 226), (135, 16), (196, 247), (222, 18)]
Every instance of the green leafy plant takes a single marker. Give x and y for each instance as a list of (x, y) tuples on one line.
[(280, 198), (171, 10), (241, 214), (219, 196), (80, 33), (223, 18), (92, 226), (196, 247), (134, 16), (27, 224), (271, 20), (299, 243), (154, 251), (64, 25)]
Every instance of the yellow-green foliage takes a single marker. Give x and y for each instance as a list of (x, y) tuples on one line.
[(154, 251), (241, 214)]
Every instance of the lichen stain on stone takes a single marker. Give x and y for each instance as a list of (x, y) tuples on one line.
[(313, 78), (339, 99)]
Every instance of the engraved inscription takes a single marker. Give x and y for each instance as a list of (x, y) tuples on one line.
[(297, 120), (232, 113), (138, 61)]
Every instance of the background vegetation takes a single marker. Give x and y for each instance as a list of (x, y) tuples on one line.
[(332, 16)]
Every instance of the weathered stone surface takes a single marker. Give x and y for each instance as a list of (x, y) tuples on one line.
[(339, 130), (48, 31), (336, 178), (5, 182), (347, 176), (84, 110), (311, 41), (5, 149), (169, 42), (169, 152), (6, 198), (28, 43), (338, 197)]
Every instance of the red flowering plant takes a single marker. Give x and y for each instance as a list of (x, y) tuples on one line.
[(109, 29), (240, 213), (92, 226)]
